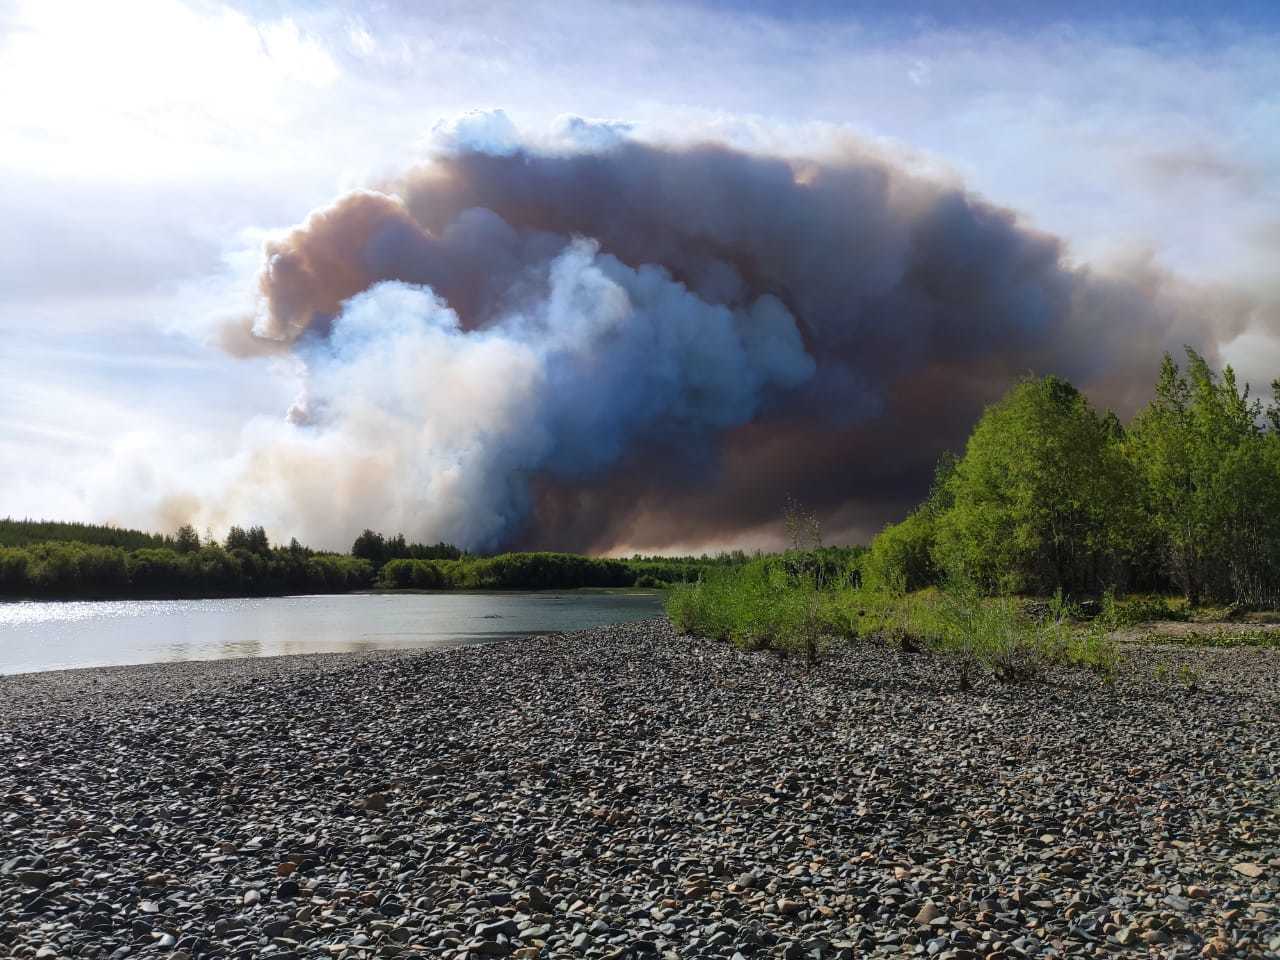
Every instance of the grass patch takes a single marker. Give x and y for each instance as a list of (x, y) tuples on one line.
[(994, 634), (764, 606), (1269, 639), (1131, 611)]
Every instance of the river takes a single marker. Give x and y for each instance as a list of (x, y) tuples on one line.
[(52, 635)]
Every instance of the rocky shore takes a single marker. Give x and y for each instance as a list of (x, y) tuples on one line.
[(626, 792)]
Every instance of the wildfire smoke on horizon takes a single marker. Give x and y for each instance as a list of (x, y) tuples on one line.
[(637, 346)]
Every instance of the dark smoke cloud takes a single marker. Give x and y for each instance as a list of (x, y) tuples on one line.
[(701, 332)]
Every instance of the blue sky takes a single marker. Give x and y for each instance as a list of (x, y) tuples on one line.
[(151, 147)]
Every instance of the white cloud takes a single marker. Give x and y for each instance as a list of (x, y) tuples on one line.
[(486, 131), (1255, 356), (152, 89), (362, 42), (583, 134)]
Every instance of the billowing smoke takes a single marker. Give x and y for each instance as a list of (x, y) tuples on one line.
[(625, 344)]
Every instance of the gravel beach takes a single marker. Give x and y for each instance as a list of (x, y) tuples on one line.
[(626, 792)]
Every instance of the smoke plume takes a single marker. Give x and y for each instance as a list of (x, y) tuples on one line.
[(620, 344)]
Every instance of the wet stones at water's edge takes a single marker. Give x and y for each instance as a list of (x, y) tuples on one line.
[(625, 792)]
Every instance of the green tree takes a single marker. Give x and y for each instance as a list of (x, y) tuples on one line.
[(370, 546), (253, 540), (186, 540), (1043, 497), (396, 548), (257, 540), (1210, 480), (1273, 408)]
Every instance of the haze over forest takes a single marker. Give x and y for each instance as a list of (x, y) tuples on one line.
[(603, 277)]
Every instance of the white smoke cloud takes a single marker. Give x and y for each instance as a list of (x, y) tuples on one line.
[(589, 135), (414, 423), (1255, 357), (483, 131)]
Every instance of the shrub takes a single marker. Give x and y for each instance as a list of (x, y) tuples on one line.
[(14, 575), (991, 634), (901, 556), (396, 574), (763, 605), (164, 572), (542, 571), (412, 574), (661, 573), (1132, 611), (103, 570), (1259, 637)]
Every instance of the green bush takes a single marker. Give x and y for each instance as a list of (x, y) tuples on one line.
[(165, 573), (541, 571), (65, 569), (662, 572), (994, 634), (1259, 637), (15, 575), (901, 556), (826, 567), (412, 574), (53, 569), (103, 569), (1131, 611), (762, 605)]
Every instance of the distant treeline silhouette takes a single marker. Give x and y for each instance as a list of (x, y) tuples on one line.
[(63, 560), (63, 568), (377, 549), (537, 571), (21, 533)]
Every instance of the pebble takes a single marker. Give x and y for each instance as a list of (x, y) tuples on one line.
[(627, 792)]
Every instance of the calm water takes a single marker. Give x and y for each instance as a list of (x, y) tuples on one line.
[(53, 635)]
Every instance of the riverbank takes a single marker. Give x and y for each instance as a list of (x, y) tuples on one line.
[(627, 792)]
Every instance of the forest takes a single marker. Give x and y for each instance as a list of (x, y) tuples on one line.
[(1056, 524), (60, 560), (66, 560)]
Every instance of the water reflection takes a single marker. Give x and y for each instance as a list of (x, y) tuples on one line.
[(51, 635)]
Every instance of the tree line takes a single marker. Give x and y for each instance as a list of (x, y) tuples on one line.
[(1050, 495), (538, 571), (111, 562), (54, 559), (22, 533), (72, 569), (379, 549)]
